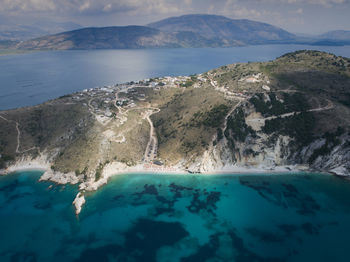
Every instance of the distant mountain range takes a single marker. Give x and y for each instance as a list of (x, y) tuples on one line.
[(182, 31)]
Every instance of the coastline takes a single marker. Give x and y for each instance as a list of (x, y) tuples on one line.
[(117, 168)]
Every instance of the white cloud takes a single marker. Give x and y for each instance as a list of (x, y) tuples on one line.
[(154, 7), (326, 3), (84, 6), (300, 11), (233, 8), (27, 5), (90, 6)]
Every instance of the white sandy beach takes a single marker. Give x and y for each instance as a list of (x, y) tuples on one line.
[(118, 168)]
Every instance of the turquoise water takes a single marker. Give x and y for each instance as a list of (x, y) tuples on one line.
[(290, 217), (34, 78)]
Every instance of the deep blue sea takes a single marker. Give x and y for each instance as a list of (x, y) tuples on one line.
[(142, 217), (30, 79)]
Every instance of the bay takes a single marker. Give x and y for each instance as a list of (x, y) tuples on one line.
[(144, 217), (33, 78)]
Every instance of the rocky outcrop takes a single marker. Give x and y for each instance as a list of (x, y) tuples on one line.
[(276, 152)]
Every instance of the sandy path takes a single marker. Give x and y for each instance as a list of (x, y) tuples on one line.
[(19, 137), (152, 145)]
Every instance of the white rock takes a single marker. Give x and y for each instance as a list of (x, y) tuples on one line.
[(265, 87), (78, 202)]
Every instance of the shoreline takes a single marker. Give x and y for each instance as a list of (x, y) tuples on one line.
[(116, 169), (90, 186), (49, 174)]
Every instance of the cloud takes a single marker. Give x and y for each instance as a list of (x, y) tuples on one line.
[(94, 7), (238, 8), (326, 3), (27, 5), (233, 8), (299, 11)]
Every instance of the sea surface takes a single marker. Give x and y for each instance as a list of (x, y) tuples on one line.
[(33, 78), (145, 218)]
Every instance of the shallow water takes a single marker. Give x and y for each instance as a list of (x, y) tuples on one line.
[(294, 217), (33, 78)]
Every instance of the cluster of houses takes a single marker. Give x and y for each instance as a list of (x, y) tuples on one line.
[(107, 93)]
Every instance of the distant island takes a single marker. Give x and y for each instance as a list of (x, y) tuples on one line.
[(288, 114), (188, 31)]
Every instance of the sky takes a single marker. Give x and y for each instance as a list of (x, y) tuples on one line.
[(296, 16)]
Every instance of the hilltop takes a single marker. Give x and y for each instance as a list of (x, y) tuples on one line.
[(227, 30), (292, 113)]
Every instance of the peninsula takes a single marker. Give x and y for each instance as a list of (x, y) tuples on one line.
[(288, 114)]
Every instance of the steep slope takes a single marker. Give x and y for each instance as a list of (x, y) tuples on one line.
[(220, 27), (337, 37)]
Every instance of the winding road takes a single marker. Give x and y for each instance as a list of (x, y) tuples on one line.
[(329, 106), (152, 145)]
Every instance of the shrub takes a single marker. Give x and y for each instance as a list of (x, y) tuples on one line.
[(237, 127), (216, 116), (298, 126)]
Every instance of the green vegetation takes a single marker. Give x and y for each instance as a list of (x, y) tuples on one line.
[(237, 127), (219, 134), (216, 116), (188, 146), (99, 169), (4, 159), (188, 83), (98, 173), (272, 107), (213, 118), (299, 126)]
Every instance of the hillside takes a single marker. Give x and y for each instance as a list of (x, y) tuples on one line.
[(226, 29), (292, 113), (102, 38), (124, 37), (185, 31), (336, 35)]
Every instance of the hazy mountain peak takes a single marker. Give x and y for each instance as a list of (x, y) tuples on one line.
[(337, 34), (214, 26)]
